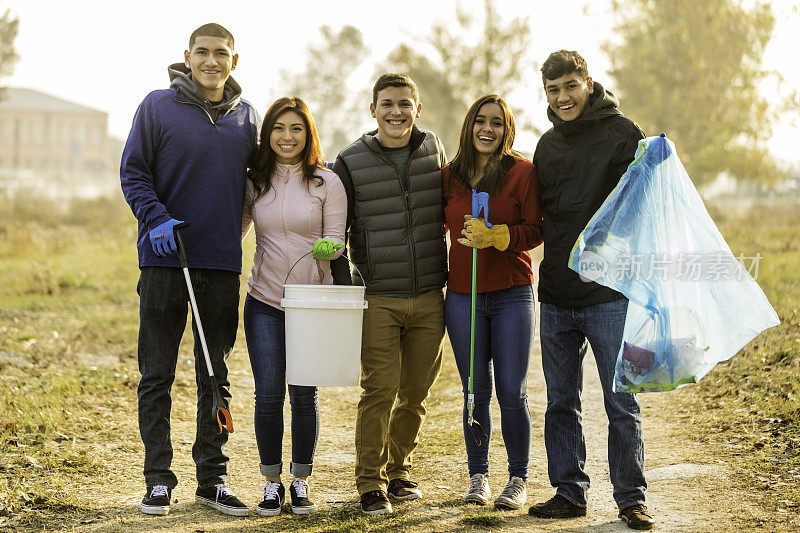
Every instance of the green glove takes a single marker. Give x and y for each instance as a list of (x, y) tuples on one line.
[(325, 248)]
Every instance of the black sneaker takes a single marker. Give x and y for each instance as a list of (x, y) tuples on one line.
[(557, 507), (375, 502), (404, 489), (637, 517), (274, 496), (221, 498), (156, 501), (298, 491)]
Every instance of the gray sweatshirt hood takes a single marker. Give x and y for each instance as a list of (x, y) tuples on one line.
[(180, 77)]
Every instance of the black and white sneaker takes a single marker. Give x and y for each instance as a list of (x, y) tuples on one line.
[(221, 498), (274, 496), (298, 491), (156, 501)]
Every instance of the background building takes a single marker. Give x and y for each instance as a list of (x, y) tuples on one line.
[(54, 147)]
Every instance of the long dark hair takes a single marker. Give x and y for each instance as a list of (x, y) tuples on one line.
[(263, 161), (463, 164)]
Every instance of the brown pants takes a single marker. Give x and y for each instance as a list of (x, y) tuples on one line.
[(401, 355)]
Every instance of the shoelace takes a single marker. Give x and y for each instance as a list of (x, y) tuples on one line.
[(300, 487), (476, 484), (513, 488), (271, 490), (159, 490), (223, 490)]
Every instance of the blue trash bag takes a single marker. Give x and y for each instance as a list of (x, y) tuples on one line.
[(692, 303)]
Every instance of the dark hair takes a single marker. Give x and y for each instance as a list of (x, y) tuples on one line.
[(211, 29), (263, 161), (564, 62), (463, 164), (394, 80)]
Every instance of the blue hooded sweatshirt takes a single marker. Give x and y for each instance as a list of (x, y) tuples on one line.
[(186, 158)]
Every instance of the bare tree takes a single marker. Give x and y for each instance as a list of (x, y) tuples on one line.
[(8, 54), (323, 84), (459, 72)]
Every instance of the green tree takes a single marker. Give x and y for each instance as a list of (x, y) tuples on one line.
[(324, 86), (472, 56), (8, 54), (692, 70)]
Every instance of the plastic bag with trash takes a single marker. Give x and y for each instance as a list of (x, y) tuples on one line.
[(692, 303)]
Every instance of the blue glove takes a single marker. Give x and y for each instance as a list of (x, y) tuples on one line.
[(162, 237)]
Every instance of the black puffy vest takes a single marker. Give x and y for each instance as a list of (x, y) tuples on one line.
[(397, 235)]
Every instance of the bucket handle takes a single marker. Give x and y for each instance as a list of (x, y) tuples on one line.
[(320, 269)]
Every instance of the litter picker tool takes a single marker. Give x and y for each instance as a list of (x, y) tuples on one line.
[(480, 201), (218, 410)]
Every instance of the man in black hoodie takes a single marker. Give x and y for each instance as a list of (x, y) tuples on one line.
[(580, 160)]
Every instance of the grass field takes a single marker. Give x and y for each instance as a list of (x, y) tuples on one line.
[(68, 327)]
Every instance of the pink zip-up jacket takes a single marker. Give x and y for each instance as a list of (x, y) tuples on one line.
[(288, 219)]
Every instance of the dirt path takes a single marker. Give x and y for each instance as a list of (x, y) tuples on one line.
[(690, 488)]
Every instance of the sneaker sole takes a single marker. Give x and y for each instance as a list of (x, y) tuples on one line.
[(224, 509), (159, 510), (268, 512), (378, 511), (478, 500), (557, 514), (410, 496), (507, 505), (304, 509)]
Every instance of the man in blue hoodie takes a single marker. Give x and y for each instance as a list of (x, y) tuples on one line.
[(186, 160)]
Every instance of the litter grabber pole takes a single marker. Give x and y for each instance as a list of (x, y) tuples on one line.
[(218, 411), (480, 201)]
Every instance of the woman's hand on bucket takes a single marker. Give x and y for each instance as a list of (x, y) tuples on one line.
[(325, 248)]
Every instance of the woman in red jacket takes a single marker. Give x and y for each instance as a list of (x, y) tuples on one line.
[(505, 315)]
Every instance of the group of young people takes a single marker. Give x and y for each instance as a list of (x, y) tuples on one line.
[(195, 154)]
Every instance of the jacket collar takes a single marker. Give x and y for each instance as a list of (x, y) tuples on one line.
[(370, 139), (180, 77), (602, 104)]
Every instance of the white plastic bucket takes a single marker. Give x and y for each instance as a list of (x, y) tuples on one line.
[(323, 334)]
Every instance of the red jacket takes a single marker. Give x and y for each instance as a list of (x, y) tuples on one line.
[(518, 204)]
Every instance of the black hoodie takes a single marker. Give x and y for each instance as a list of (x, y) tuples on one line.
[(579, 163)]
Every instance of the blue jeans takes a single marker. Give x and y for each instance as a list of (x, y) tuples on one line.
[(564, 334), (504, 322), (266, 344), (163, 305)]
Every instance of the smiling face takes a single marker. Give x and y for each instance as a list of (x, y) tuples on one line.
[(488, 129), (288, 138), (568, 96), (395, 110), (211, 61)]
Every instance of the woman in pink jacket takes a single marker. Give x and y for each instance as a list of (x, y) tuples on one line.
[(295, 204)]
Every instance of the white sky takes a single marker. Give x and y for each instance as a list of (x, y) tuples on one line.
[(108, 55)]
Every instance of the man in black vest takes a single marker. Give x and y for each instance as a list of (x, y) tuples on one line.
[(580, 160), (395, 222)]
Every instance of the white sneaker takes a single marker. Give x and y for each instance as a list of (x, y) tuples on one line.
[(514, 496), (478, 491)]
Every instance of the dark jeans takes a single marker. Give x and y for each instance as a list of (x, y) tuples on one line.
[(163, 306), (564, 334), (266, 343), (504, 322)]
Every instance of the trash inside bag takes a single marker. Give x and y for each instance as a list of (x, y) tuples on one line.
[(692, 303)]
